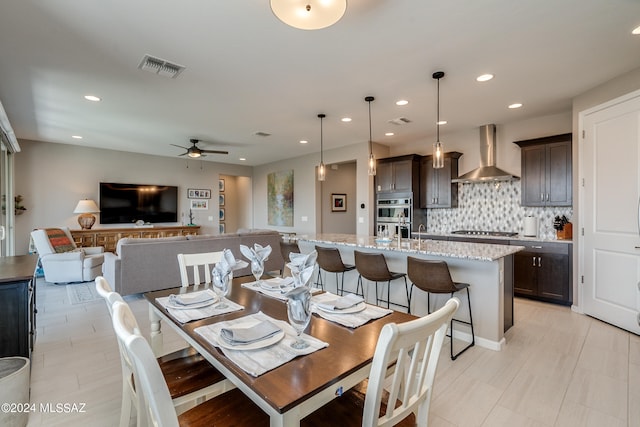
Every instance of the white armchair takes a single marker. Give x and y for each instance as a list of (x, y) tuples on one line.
[(62, 261)]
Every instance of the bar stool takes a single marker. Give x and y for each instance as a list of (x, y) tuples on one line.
[(286, 247), (434, 277), (373, 267), (329, 260)]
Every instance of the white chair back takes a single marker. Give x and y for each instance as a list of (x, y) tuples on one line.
[(43, 244), (207, 260), (129, 394), (415, 347), (148, 376)]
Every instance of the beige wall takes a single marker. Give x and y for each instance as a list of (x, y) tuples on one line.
[(53, 177), (341, 179)]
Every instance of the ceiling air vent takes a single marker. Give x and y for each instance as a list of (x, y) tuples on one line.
[(160, 67), (400, 121), (260, 133)]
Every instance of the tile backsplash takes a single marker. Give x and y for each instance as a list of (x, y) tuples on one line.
[(493, 207)]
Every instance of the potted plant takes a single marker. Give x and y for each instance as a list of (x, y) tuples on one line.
[(19, 209)]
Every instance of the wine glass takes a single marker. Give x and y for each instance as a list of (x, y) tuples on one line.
[(257, 268), (299, 313), (222, 286)]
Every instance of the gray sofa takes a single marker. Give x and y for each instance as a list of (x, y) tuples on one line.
[(143, 265)]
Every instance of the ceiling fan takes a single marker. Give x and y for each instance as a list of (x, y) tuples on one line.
[(194, 151)]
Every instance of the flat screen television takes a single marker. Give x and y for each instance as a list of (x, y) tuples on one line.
[(128, 203)]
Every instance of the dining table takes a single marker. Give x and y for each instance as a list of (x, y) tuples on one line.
[(298, 387)]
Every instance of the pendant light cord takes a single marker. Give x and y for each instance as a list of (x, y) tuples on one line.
[(321, 140), (438, 114)]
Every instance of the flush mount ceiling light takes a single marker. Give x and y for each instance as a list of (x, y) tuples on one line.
[(92, 98), (516, 105), (371, 166), (309, 14), (636, 31), (321, 168), (438, 158), (484, 77)]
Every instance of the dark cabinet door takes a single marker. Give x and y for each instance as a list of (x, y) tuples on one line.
[(437, 190), (402, 175), (533, 176), (384, 177), (553, 277), (525, 277), (14, 319), (559, 180)]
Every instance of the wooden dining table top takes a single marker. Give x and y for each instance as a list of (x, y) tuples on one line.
[(288, 385)]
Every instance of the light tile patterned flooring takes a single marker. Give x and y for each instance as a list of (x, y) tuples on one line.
[(558, 368)]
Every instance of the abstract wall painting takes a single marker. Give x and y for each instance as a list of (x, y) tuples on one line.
[(280, 198)]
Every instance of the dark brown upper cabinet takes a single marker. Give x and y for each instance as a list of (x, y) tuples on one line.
[(546, 171), (397, 174), (436, 188)]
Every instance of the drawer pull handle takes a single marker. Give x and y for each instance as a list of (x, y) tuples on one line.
[(536, 247)]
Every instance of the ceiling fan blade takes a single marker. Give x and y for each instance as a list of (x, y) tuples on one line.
[(183, 154), (179, 146), (215, 151)]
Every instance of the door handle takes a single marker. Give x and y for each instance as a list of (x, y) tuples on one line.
[(539, 261)]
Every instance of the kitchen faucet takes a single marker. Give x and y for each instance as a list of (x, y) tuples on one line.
[(420, 228)]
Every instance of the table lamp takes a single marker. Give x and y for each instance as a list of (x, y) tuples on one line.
[(86, 208)]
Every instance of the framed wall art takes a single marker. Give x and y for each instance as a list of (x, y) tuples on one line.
[(199, 204), (221, 185), (221, 199), (338, 202), (221, 228), (221, 214), (198, 193)]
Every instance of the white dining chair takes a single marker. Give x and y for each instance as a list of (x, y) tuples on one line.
[(232, 408), (189, 377), (403, 371), (205, 260)]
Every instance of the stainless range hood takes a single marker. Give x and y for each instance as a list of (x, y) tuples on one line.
[(487, 172)]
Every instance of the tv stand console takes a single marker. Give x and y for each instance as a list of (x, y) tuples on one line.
[(108, 237)]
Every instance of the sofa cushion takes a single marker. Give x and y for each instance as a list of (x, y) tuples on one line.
[(142, 240), (59, 240)]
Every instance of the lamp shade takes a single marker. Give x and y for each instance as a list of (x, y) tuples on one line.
[(309, 14), (86, 206)]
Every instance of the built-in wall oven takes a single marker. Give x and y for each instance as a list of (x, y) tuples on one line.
[(395, 215)]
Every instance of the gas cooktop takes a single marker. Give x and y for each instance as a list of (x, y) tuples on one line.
[(485, 233)]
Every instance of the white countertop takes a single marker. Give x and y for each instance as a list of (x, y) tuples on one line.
[(443, 248)]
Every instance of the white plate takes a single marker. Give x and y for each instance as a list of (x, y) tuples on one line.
[(254, 345), (356, 308), (191, 306)]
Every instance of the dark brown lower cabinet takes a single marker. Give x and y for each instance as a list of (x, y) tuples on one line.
[(542, 271)]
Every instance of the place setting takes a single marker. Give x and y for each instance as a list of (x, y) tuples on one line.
[(350, 310), (258, 343)]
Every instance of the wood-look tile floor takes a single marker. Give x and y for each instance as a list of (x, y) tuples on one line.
[(558, 368)]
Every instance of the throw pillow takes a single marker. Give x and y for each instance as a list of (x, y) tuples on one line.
[(59, 240)]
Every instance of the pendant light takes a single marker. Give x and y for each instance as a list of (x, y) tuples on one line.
[(438, 155), (321, 168), (371, 167), (309, 14)]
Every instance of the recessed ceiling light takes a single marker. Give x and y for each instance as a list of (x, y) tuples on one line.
[(402, 102), (389, 134), (484, 77), (242, 159), (76, 136), (441, 122), (515, 105), (92, 98), (346, 119), (636, 31), (304, 141)]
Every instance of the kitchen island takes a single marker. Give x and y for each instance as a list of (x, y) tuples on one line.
[(488, 268)]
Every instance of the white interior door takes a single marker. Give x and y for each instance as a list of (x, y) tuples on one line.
[(610, 198)]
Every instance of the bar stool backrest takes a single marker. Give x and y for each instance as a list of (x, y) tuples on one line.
[(372, 267), (329, 259), (430, 276)]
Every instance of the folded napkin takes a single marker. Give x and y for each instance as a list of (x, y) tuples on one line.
[(341, 303), (192, 298), (351, 320), (222, 270), (256, 254), (246, 335), (302, 267)]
